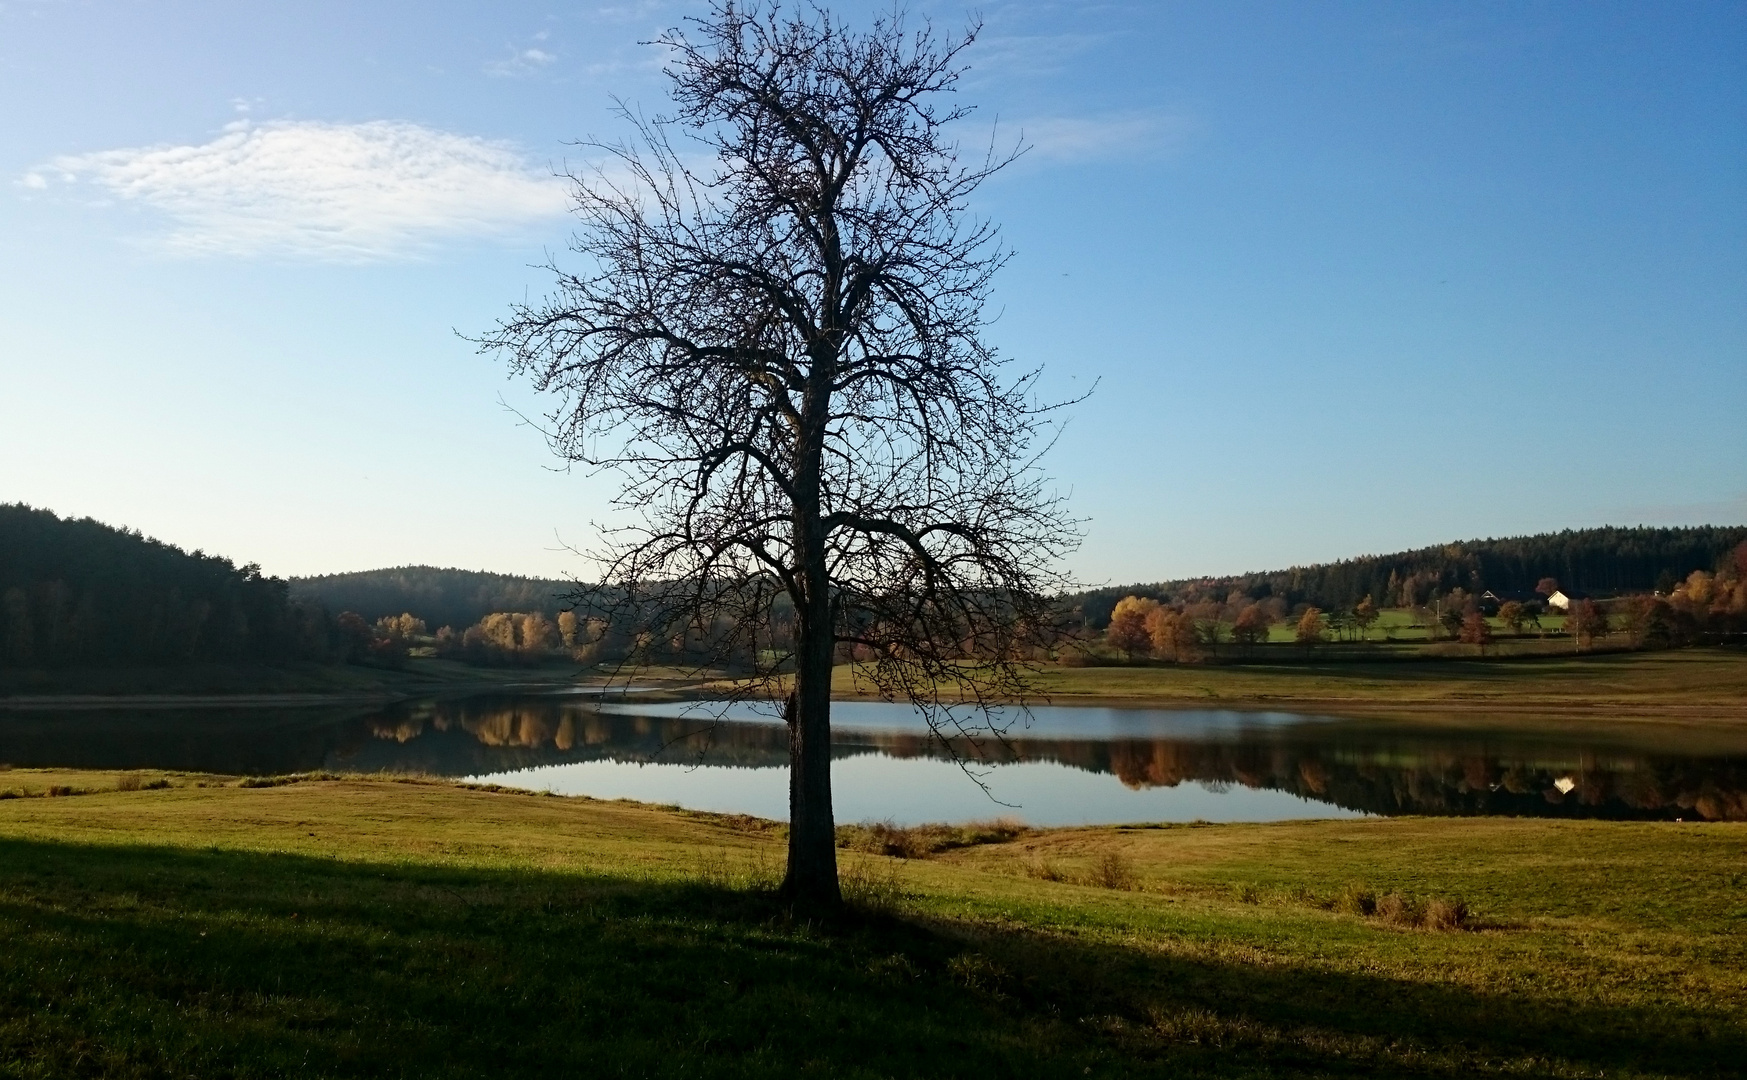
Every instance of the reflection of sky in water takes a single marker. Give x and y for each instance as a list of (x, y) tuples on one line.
[(1064, 721), (1068, 764), (872, 787), (875, 787)]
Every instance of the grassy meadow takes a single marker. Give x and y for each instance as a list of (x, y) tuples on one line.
[(1701, 685), (157, 925)]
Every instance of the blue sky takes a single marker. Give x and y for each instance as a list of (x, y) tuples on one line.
[(1350, 277)]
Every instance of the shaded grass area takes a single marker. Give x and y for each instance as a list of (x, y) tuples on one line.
[(362, 927)]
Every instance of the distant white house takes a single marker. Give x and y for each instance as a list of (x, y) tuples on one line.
[(1563, 600)]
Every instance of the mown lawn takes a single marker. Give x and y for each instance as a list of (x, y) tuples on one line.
[(369, 927)]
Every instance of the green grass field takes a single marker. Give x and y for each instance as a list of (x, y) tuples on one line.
[(1700, 685), (367, 927)]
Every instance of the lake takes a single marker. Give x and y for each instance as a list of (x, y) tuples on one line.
[(1058, 766)]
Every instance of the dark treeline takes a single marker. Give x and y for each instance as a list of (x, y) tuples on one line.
[(440, 597), (79, 592), (1606, 561)]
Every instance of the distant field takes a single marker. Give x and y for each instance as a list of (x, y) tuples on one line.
[(373, 928), (1690, 683)]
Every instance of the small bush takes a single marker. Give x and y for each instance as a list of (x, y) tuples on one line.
[(156, 785), (298, 778), (1399, 910), (889, 838), (127, 782), (1441, 914), (1113, 871), (10, 795), (1358, 900), (1248, 894), (921, 841), (57, 791)]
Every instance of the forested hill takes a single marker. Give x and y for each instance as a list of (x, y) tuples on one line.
[(79, 592), (441, 597), (1603, 561)]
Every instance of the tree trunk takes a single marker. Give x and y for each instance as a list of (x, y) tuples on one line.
[(811, 882), (812, 872)]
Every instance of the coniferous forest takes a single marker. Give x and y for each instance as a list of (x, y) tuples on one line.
[(440, 597), (79, 592), (1605, 561)]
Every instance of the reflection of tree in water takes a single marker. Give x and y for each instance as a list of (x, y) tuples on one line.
[(1425, 778), (1406, 773), (1398, 772)]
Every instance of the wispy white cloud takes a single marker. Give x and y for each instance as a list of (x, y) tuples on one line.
[(522, 61), (346, 192), (1005, 55), (1084, 138)]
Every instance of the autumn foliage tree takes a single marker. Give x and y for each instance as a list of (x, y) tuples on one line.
[(1173, 635), (1364, 614), (1476, 631), (1251, 626), (1128, 630), (1586, 622), (1312, 627)]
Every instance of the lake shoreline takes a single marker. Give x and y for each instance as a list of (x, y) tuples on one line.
[(1689, 688), (1413, 711)]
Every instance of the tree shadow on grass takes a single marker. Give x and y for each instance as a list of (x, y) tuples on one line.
[(132, 961)]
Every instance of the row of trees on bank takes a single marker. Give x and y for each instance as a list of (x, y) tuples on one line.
[(1706, 606), (524, 639), (77, 592), (1606, 561)]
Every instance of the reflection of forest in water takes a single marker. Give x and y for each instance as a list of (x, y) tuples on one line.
[(1360, 767)]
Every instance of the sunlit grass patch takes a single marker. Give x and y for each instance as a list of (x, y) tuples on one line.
[(367, 927)]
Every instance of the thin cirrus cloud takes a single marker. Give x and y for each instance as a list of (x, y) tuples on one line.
[(1082, 138), (332, 192), (520, 62)]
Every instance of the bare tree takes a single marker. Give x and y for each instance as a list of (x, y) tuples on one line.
[(777, 342)]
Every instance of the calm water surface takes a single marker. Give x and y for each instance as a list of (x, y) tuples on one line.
[(1060, 765)]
